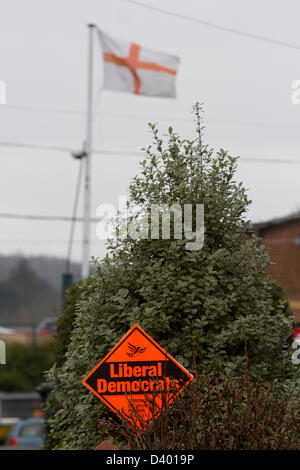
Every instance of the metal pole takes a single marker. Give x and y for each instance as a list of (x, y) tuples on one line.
[(87, 158)]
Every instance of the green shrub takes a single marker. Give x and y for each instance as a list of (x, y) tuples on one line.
[(25, 369), (64, 326), (64, 323), (178, 296)]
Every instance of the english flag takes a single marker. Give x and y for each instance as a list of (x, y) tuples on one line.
[(132, 68)]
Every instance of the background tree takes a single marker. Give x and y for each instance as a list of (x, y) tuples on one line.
[(205, 297), (24, 369), (25, 298)]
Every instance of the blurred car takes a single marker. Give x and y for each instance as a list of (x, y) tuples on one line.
[(297, 340), (296, 332), (46, 327), (6, 331), (26, 434), (5, 425)]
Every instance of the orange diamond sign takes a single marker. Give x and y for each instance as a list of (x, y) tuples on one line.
[(137, 378)]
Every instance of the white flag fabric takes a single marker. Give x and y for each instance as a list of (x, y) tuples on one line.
[(131, 68)]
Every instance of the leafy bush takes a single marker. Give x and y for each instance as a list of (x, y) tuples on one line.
[(64, 326), (64, 323), (178, 296)]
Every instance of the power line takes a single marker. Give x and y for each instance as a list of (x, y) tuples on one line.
[(75, 112), (269, 160), (56, 148), (44, 242), (136, 153), (35, 146), (64, 242), (46, 218), (215, 25), (38, 109), (254, 123), (156, 118)]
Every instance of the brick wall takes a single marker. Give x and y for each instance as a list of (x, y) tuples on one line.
[(285, 254)]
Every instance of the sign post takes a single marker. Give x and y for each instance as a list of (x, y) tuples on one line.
[(137, 379)]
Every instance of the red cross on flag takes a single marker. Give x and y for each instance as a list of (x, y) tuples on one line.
[(131, 68)]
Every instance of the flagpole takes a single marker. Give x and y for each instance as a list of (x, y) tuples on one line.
[(87, 160)]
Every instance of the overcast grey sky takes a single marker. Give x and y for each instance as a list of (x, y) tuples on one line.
[(244, 83)]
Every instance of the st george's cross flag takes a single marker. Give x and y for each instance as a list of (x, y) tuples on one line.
[(131, 68)]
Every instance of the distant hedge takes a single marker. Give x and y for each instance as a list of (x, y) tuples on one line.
[(25, 369)]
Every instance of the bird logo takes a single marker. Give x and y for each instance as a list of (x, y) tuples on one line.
[(134, 350)]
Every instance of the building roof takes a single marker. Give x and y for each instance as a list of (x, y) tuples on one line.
[(262, 226)]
